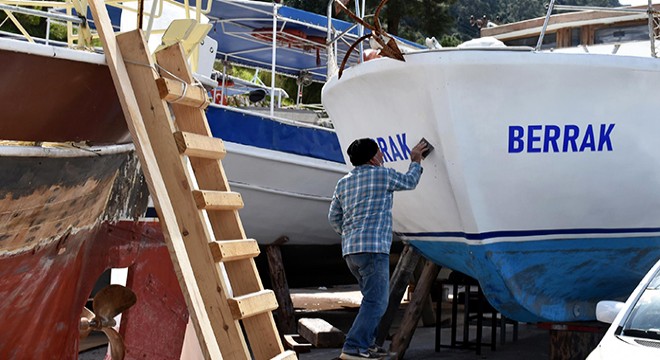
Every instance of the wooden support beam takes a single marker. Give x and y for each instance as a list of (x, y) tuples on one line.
[(233, 250), (249, 305), (284, 315), (217, 200), (401, 339), (401, 277), (174, 91), (200, 146)]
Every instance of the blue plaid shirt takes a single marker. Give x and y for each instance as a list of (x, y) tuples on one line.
[(361, 208)]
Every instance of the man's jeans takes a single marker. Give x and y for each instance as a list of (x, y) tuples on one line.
[(373, 274)]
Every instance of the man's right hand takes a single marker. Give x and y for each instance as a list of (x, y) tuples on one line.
[(416, 152)]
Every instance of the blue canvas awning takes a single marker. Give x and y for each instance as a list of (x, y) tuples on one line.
[(243, 30)]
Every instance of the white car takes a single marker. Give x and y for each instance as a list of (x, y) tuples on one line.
[(635, 329)]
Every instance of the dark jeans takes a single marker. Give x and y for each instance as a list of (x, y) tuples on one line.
[(373, 274)]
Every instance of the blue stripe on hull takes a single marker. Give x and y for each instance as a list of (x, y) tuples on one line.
[(549, 280), (253, 130)]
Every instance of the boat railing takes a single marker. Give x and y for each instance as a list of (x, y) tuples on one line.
[(79, 33), (332, 38), (653, 20)]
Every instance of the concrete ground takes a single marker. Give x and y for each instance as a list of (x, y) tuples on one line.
[(339, 305)]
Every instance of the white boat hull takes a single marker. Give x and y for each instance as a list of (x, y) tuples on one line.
[(552, 154)]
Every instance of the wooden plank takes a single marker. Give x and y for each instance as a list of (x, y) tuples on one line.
[(217, 200), (157, 188), (175, 91), (200, 146), (401, 339), (243, 275), (320, 333), (400, 279), (233, 250), (284, 315), (249, 305), (226, 333)]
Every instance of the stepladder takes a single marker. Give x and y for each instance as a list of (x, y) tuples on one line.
[(182, 163)]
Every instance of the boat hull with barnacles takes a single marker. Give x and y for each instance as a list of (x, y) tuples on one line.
[(543, 183)]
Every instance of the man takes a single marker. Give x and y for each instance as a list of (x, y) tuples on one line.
[(361, 212)]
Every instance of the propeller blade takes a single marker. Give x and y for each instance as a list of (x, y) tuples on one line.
[(117, 348), (84, 327), (111, 301)]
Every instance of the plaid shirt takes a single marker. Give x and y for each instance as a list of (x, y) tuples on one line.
[(361, 208)]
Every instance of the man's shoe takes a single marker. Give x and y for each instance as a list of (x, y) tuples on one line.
[(380, 351), (359, 356)]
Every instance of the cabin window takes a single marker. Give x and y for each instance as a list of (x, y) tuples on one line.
[(549, 41), (617, 34)]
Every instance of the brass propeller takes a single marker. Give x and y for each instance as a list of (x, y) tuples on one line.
[(111, 301)]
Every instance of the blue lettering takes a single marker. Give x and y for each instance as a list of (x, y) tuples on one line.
[(551, 136), (403, 144), (571, 133), (396, 154), (604, 138), (531, 139), (588, 140), (516, 143), (383, 148)]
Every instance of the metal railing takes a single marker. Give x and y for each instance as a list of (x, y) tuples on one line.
[(653, 20)]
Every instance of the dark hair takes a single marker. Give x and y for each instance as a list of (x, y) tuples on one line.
[(361, 151)]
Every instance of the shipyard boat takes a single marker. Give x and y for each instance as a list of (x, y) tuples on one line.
[(544, 180)]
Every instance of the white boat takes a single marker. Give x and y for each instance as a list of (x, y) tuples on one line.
[(543, 184)]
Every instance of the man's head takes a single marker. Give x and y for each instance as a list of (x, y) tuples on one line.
[(362, 151)]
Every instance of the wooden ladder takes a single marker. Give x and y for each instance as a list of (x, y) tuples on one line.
[(212, 257)]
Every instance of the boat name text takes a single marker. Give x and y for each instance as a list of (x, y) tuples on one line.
[(394, 147), (553, 138)]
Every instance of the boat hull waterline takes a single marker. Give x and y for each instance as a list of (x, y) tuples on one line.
[(544, 177)]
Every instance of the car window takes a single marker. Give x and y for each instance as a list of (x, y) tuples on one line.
[(644, 318)]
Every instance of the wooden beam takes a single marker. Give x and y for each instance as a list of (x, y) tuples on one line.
[(284, 315), (233, 250), (400, 279), (200, 146), (320, 333), (249, 305), (174, 91), (401, 339)]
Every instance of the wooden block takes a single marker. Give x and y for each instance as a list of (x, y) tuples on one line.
[(252, 304), (200, 146), (287, 355), (297, 343), (232, 250), (174, 91), (217, 200), (320, 333)]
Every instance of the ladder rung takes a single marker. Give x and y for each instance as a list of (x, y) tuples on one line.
[(174, 91), (200, 146), (232, 250), (249, 305), (218, 200), (287, 355)]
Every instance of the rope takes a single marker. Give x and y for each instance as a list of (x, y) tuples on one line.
[(184, 84)]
